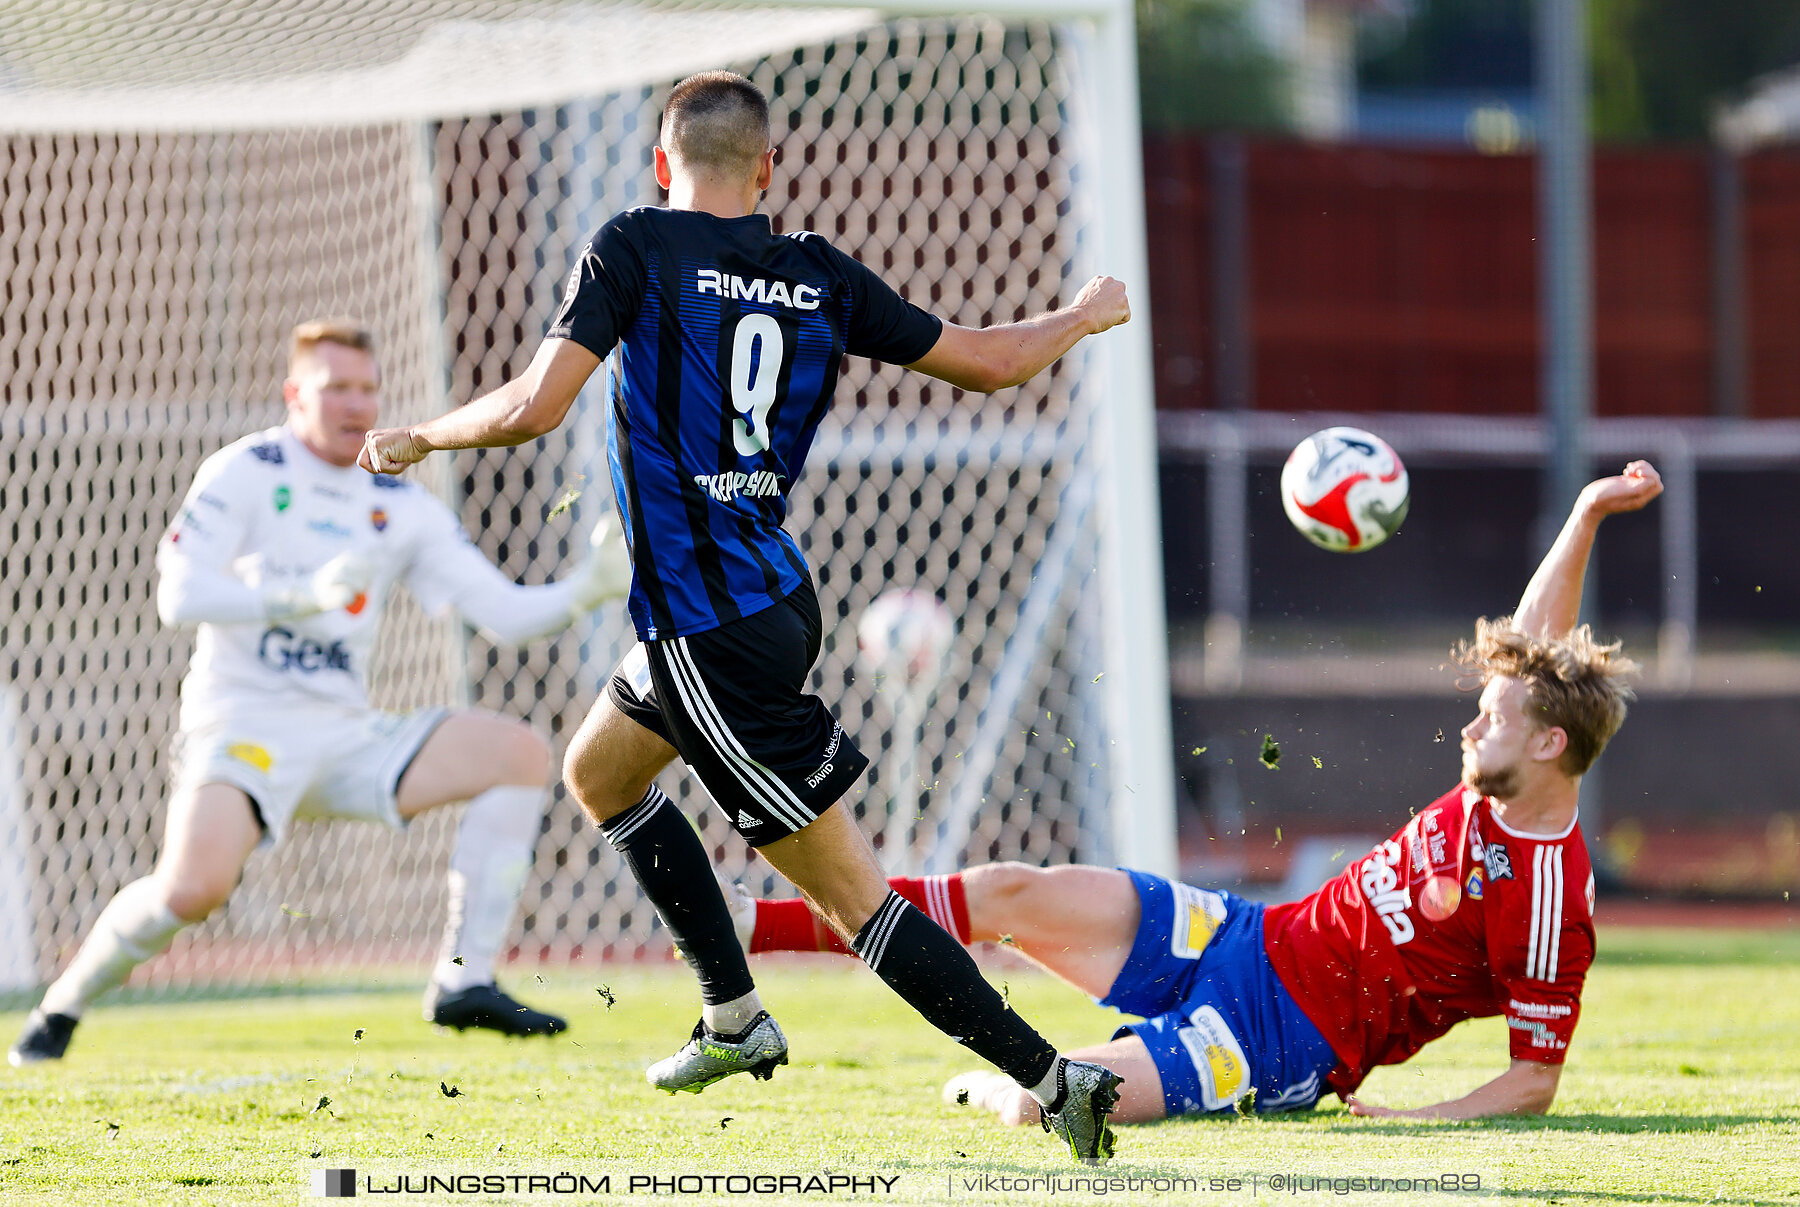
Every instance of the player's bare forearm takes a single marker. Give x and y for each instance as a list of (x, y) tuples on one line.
[(519, 411), (499, 419), (1551, 605), (1526, 1088), (993, 358)]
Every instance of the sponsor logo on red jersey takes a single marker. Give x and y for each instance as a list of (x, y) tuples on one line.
[(1381, 888)]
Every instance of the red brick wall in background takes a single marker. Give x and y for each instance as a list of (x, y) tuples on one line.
[(1398, 279), (1771, 189)]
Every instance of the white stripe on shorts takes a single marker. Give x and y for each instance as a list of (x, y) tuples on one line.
[(761, 783)]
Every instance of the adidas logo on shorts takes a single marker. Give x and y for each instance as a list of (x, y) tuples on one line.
[(745, 821)]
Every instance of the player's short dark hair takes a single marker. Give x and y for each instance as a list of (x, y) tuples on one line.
[(344, 331), (717, 121), (1573, 682)]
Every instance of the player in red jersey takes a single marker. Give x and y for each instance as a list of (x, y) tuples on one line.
[(1482, 904)]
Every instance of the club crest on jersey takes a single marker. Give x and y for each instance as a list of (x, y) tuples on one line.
[(770, 293), (1473, 887), (1499, 863), (378, 517)]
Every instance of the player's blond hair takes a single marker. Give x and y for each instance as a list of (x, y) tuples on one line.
[(718, 122), (1573, 683), (309, 335)]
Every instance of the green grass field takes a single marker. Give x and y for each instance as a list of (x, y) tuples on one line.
[(1683, 1086)]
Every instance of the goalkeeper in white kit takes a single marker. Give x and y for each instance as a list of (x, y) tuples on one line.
[(283, 555)]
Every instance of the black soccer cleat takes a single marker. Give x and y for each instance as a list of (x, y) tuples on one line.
[(45, 1037), (489, 1007)]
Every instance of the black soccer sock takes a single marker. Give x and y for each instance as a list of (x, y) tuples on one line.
[(923, 964), (670, 864)]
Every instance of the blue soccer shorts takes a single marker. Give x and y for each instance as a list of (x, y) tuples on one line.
[(1217, 1020)]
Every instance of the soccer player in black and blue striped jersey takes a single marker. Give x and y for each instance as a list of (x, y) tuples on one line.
[(730, 340)]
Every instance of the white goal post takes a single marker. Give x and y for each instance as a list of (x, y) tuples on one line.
[(178, 192)]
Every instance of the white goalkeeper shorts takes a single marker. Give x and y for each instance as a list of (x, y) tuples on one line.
[(310, 765)]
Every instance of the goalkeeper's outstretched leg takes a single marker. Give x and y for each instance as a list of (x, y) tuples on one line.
[(210, 832), (500, 768)]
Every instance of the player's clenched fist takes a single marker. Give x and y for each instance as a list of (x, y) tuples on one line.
[(390, 450), (1623, 492), (1103, 300)]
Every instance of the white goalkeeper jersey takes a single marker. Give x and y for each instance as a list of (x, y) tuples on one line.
[(266, 513)]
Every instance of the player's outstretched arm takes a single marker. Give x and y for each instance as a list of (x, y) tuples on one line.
[(451, 573), (1528, 1087), (986, 359), (521, 410), (189, 592), (1551, 605)]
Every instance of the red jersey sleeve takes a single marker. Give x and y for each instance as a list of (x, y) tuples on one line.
[(1541, 940)]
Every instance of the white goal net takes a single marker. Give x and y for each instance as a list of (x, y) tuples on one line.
[(181, 183)]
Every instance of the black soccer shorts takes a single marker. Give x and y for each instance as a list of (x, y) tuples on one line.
[(733, 702)]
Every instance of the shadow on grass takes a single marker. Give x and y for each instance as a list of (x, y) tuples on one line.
[(1338, 1120), (1672, 1124), (21, 1000), (1612, 1124)]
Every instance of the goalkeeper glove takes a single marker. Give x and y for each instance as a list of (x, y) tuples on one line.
[(341, 582), (604, 574)]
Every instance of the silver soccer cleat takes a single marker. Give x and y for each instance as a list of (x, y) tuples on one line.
[(709, 1057), (1088, 1094)]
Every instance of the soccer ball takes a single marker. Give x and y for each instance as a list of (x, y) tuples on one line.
[(906, 636), (1344, 489)]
